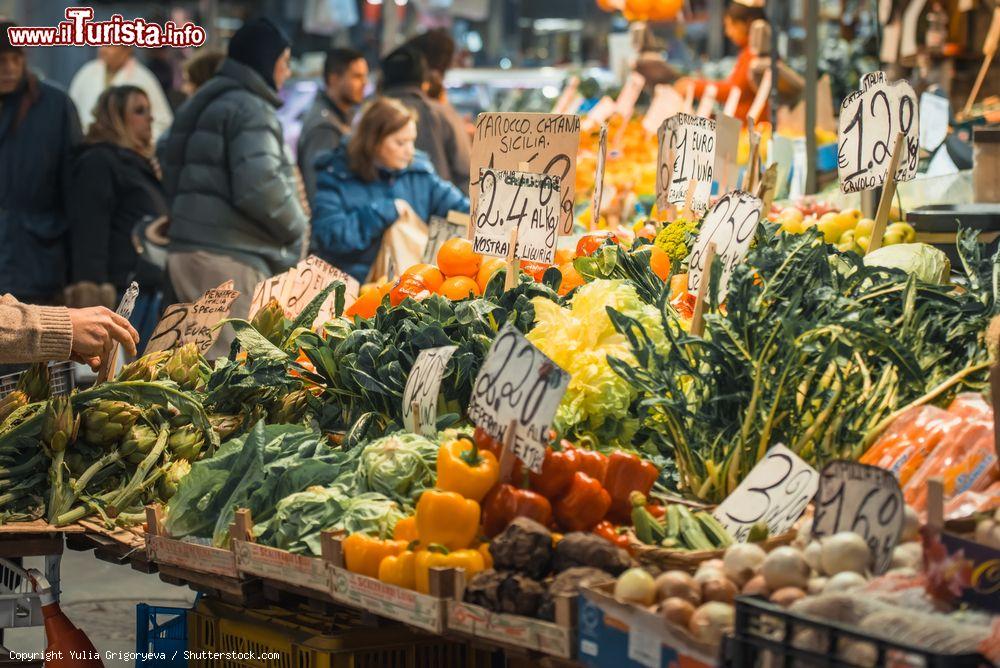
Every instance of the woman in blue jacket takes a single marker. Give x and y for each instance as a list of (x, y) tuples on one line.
[(363, 188)]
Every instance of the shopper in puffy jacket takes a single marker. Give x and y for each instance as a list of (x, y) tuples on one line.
[(38, 128), (235, 213), (364, 187)]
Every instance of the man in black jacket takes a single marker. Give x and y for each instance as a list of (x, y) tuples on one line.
[(328, 120), (38, 129), (404, 77), (235, 212)]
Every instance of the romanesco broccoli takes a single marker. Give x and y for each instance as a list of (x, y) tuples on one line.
[(674, 239)]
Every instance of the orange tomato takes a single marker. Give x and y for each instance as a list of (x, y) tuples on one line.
[(659, 262), (589, 243), (459, 287), (367, 304), (457, 259), (488, 267), (534, 269), (408, 286), (563, 255), (571, 278), (430, 274), (647, 231)]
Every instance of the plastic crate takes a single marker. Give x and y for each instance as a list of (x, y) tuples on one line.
[(161, 630), (306, 641), (60, 379), (768, 635), (19, 604)]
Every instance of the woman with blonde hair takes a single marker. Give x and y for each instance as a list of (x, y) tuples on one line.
[(114, 187), (364, 187)]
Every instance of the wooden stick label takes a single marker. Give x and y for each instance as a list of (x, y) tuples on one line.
[(420, 397), (869, 120), (194, 323), (730, 225), (522, 201), (686, 153)]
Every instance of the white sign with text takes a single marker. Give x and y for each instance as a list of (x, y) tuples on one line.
[(420, 397), (511, 200), (730, 225)]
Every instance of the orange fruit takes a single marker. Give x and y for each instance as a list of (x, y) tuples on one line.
[(408, 286), (455, 258), (563, 255), (659, 262), (589, 243), (488, 267), (571, 278), (430, 274), (534, 269), (459, 287), (367, 304)]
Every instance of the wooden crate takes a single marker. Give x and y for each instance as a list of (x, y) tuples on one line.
[(556, 638), (164, 550)]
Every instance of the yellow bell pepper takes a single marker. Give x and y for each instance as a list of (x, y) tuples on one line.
[(406, 529), (363, 554), (464, 468), (399, 570), (438, 557), (484, 549), (447, 518)]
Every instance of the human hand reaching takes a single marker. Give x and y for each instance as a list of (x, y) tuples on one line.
[(95, 330)]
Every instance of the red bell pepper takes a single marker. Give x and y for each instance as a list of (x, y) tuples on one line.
[(486, 442), (583, 505), (627, 473), (593, 464), (505, 502), (558, 468), (610, 533)]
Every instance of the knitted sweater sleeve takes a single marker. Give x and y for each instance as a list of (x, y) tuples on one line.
[(33, 333)]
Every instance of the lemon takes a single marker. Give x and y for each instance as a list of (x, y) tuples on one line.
[(904, 230), (864, 227)]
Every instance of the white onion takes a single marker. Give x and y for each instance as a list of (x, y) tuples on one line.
[(785, 567), (816, 585), (907, 555), (636, 586), (706, 574), (711, 621), (814, 556), (844, 551), (844, 581), (742, 561)]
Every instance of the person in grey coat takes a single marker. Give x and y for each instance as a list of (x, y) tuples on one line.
[(235, 213), (404, 77), (328, 119)]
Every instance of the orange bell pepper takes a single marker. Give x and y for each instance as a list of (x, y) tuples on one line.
[(363, 554)]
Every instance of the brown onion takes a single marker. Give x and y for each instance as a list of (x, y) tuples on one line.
[(722, 590), (677, 584), (677, 611)]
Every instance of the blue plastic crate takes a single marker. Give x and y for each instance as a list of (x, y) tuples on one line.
[(161, 631)]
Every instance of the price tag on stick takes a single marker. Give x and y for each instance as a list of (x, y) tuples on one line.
[(885, 201), (420, 397), (518, 388), (125, 308), (690, 154), (730, 225), (548, 142), (521, 201), (863, 499), (775, 492), (870, 118), (194, 323)]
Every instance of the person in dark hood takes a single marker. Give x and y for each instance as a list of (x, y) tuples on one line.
[(38, 129), (235, 212), (114, 187), (404, 77)]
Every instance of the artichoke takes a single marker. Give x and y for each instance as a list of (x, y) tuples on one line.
[(291, 408), (186, 442), (106, 422), (10, 403), (34, 382), (138, 443), (186, 367), (172, 476), (146, 368), (225, 425), (59, 425), (270, 322)]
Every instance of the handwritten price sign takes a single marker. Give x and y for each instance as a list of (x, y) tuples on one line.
[(547, 142), (518, 385), (510, 200), (869, 121), (420, 396), (297, 287), (730, 225), (775, 492), (863, 499), (186, 323), (687, 151)]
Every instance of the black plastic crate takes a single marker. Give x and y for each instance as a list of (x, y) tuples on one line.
[(769, 636)]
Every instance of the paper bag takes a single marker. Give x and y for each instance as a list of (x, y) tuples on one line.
[(402, 247)]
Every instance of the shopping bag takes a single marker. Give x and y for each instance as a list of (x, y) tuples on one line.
[(402, 246)]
